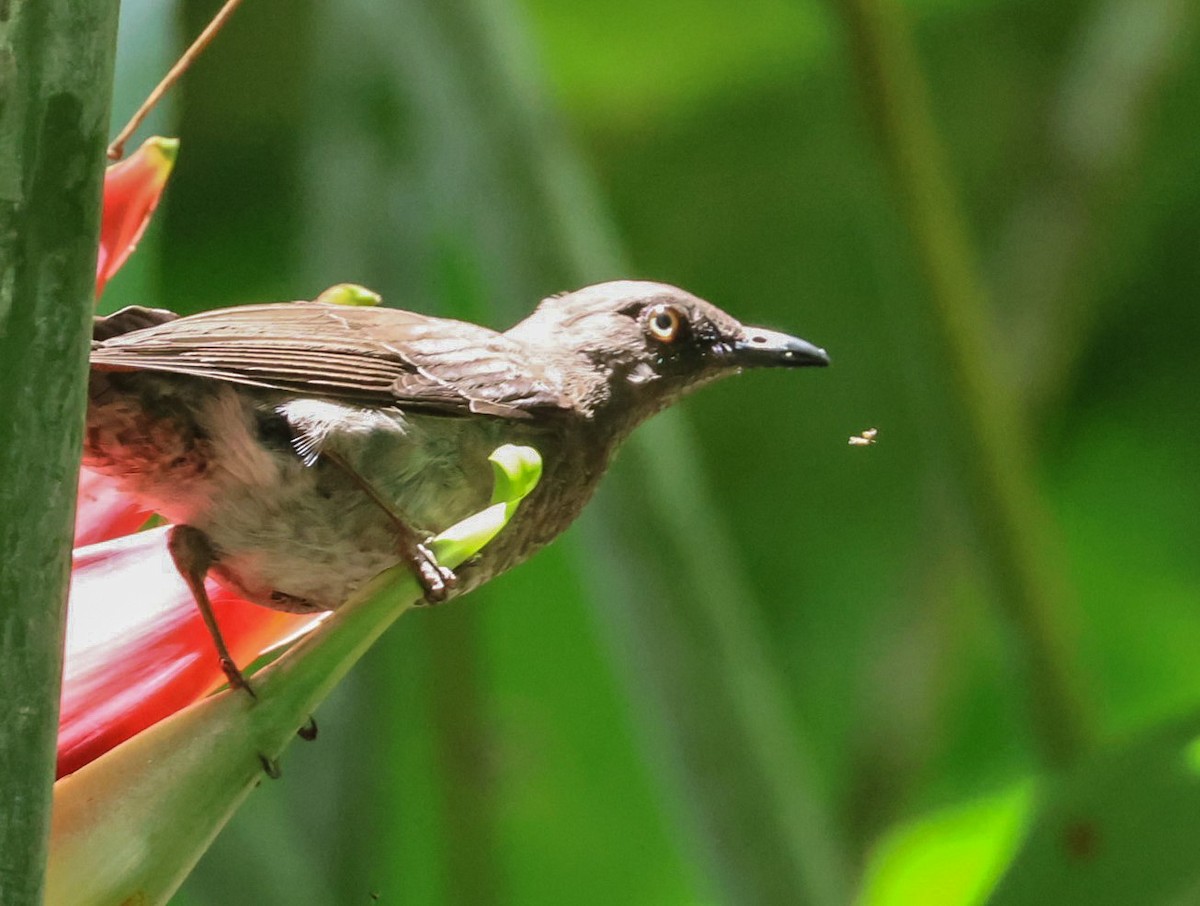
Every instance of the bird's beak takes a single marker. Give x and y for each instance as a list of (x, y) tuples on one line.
[(761, 348)]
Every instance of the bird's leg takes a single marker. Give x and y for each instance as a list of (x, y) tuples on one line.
[(193, 555), (435, 579)]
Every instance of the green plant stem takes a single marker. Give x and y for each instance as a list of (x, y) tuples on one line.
[(56, 60), (993, 443)]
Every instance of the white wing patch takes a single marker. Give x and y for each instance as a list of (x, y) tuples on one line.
[(319, 424)]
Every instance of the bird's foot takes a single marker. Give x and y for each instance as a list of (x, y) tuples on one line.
[(436, 580)]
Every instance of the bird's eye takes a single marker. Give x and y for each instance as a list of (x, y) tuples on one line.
[(663, 322)]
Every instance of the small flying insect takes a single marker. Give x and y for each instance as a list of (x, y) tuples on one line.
[(866, 439)]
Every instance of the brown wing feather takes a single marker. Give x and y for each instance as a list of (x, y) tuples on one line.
[(370, 356)]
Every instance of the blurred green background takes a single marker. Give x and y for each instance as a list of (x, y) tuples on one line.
[(767, 666)]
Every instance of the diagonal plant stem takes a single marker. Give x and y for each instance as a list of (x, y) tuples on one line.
[(993, 447), (116, 150), (56, 61)]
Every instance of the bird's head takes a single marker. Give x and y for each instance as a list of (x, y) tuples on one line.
[(644, 345)]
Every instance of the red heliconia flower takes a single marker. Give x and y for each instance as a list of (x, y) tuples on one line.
[(131, 192), (137, 648)]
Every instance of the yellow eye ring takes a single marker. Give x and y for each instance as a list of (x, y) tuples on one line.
[(663, 323)]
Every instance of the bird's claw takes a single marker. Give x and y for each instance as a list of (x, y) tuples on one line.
[(237, 679), (308, 732), (436, 580), (270, 767)]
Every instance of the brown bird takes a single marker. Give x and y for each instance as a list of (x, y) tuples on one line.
[(301, 448)]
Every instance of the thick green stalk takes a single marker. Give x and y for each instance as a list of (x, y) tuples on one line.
[(993, 445), (56, 60)]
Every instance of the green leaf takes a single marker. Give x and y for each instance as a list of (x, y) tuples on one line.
[(517, 470), (130, 825), (350, 294), (516, 473), (950, 858)]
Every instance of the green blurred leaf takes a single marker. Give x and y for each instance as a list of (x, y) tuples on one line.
[(950, 858)]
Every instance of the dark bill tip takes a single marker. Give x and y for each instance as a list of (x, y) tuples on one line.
[(761, 348)]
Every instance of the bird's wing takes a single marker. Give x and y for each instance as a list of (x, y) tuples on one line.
[(368, 356)]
